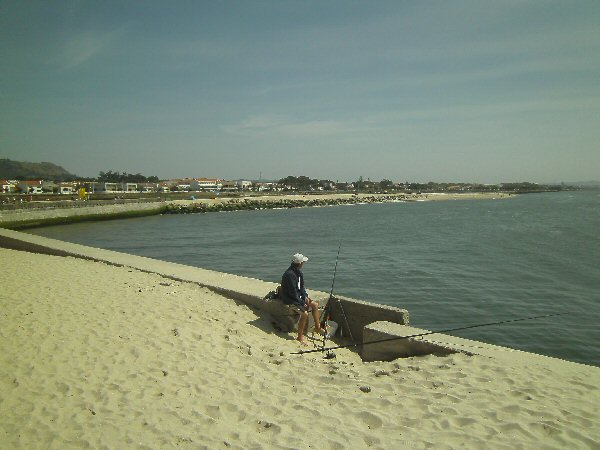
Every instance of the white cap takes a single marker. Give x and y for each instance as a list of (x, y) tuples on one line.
[(299, 258)]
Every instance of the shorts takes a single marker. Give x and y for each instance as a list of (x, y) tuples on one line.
[(297, 309)]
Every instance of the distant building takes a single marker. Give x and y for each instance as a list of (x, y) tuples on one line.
[(30, 186), (49, 186), (130, 187), (67, 188), (6, 187), (91, 186), (267, 186), (236, 185), (106, 187), (148, 187), (206, 184), (109, 187), (165, 186), (184, 185)]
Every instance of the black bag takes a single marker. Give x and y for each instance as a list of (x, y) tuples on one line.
[(273, 295)]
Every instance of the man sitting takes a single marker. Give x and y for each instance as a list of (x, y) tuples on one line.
[(294, 294)]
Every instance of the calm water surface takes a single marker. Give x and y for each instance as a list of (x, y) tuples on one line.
[(450, 264)]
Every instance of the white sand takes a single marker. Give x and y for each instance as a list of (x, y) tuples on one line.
[(100, 356)]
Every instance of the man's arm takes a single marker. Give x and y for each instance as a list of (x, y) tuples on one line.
[(289, 285)]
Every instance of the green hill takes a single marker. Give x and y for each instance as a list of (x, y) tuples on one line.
[(20, 170)]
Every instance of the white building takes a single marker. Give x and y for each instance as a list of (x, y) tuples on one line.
[(165, 186), (108, 187), (184, 185), (130, 187), (267, 186), (67, 188), (206, 184), (148, 187), (30, 186), (6, 187), (236, 185)]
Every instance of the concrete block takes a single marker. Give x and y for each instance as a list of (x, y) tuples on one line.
[(394, 346), (360, 313)]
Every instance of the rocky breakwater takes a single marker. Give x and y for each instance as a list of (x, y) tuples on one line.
[(278, 203)]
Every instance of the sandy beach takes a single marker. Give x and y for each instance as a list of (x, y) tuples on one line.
[(100, 356)]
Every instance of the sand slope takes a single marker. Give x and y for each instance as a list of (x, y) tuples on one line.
[(99, 356)]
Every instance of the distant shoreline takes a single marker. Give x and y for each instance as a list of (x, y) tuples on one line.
[(50, 214)]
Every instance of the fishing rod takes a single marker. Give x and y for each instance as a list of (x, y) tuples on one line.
[(301, 352), (335, 269), (331, 297), (327, 312)]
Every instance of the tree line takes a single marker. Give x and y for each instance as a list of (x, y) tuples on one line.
[(304, 183), (116, 177)]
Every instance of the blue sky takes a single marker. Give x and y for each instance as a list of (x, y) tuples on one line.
[(470, 91)]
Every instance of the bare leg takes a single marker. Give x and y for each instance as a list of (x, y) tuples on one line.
[(302, 325), (315, 314)]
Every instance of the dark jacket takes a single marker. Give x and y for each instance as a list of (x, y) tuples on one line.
[(292, 288)]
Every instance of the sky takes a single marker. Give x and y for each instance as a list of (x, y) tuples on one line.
[(419, 91)]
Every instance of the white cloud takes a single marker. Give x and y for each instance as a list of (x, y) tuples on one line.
[(82, 47), (561, 103), (273, 125), (501, 70)]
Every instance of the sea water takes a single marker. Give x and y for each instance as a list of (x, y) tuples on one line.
[(449, 263)]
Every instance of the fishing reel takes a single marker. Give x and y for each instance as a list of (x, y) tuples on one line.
[(329, 355)]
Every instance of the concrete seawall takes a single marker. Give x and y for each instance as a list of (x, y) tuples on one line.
[(363, 321), (250, 291), (35, 217)]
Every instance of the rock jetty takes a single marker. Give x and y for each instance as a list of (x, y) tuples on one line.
[(278, 203)]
